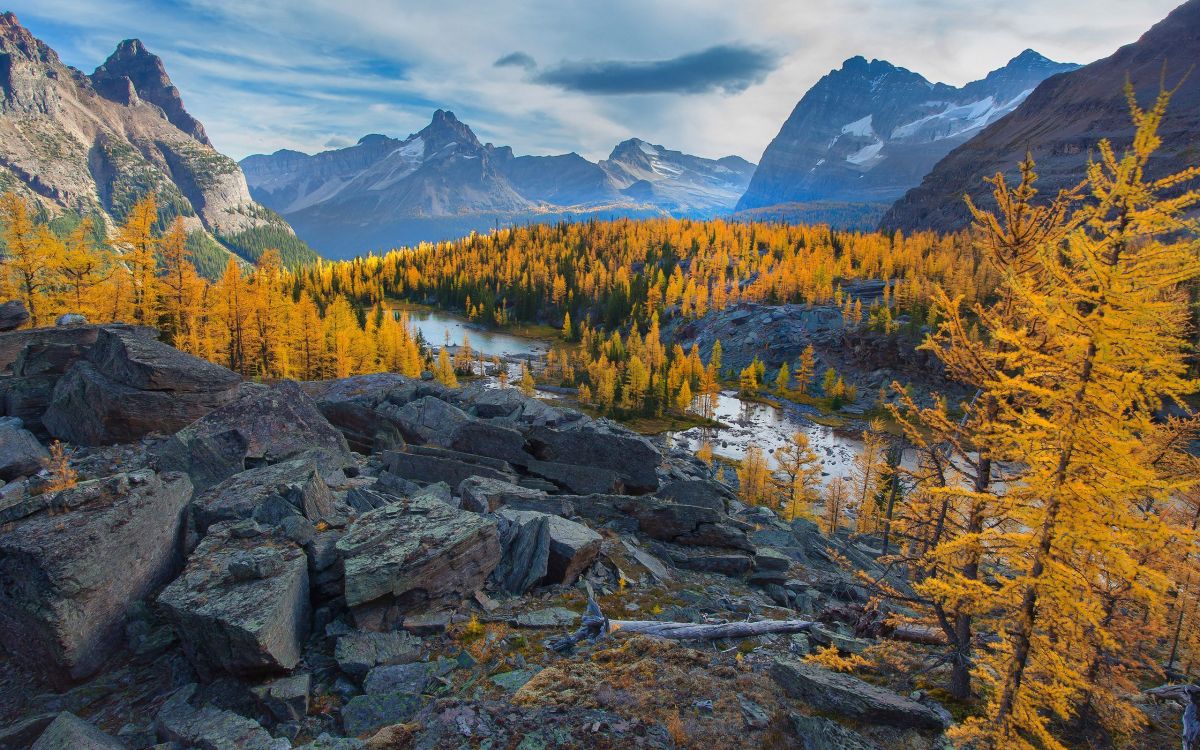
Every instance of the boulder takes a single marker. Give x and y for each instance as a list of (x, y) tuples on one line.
[(21, 454), (428, 469), (285, 699), (573, 549), (666, 520), (427, 420), (492, 440), (360, 652), (817, 733), (702, 492), (365, 714), (71, 319), (634, 458), (69, 732), (485, 495), (209, 727), (80, 570), (525, 549), (399, 678), (241, 606), (412, 553), (576, 479), (266, 493), (265, 424), (13, 315), (842, 695), (79, 338), (131, 385)]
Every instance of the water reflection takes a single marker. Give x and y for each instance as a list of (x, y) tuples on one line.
[(434, 325), (770, 428)]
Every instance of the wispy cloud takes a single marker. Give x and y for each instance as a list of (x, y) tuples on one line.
[(729, 68)]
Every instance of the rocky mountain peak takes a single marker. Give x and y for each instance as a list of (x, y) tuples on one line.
[(133, 69), (446, 129)]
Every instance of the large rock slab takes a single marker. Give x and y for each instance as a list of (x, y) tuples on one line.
[(702, 492), (411, 553), (13, 315), (69, 578), (359, 652), (525, 549), (575, 478), (666, 520), (241, 606), (573, 549), (427, 468), (634, 458), (428, 420), (80, 338), (266, 494), (849, 697), (21, 454), (485, 495), (265, 424), (210, 728), (69, 732), (131, 385)]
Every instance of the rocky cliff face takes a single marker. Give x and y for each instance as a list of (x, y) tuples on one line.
[(870, 130), (442, 182), (1061, 122), (96, 144)]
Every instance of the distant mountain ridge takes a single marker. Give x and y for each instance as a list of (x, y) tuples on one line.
[(96, 144), (869, 131), (441, 182), (1061, 122)]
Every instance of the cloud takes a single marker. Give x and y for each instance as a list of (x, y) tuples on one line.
[(728, 67), (516, 60), (338, 141)]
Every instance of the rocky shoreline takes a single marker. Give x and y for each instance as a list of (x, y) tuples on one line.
[(380, 561)]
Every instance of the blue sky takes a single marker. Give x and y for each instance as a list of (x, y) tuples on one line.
[(709, 77)]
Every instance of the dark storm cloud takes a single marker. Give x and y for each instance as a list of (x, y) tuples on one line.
[(728, 67), (516, 60)]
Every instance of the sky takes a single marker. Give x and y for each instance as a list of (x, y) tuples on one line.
[(708, 77)]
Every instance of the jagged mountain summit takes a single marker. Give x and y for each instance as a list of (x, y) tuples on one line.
[(441, 182), (1061, 122), (96, 144), (869, 131)]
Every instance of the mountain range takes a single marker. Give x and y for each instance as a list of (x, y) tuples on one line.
[(869, 131), (1061, 122), (94, 144), (441, 182)]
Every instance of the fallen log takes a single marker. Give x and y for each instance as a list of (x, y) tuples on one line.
[(691, 631)]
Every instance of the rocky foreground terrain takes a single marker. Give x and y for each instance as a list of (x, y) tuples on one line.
[(381, 562)]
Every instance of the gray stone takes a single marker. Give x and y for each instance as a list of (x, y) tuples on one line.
[(21, 454), (849, 697), (425, 468), (551, 617), (433, 622), (241, 606), (485, 495), (81, 570), (69, 732), (666, 520), (818, 733), (131, 385), (267, 494), (359, 652), (702, 492), (329, 742), (413, 553), (573, 549), (364, 714), (514, 680), (398, 678), (428, 420), (265, 424), (632, 457), (71, 319), (13, 315), (576, 479), (211, 728), (286, 699), (525, 549)]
